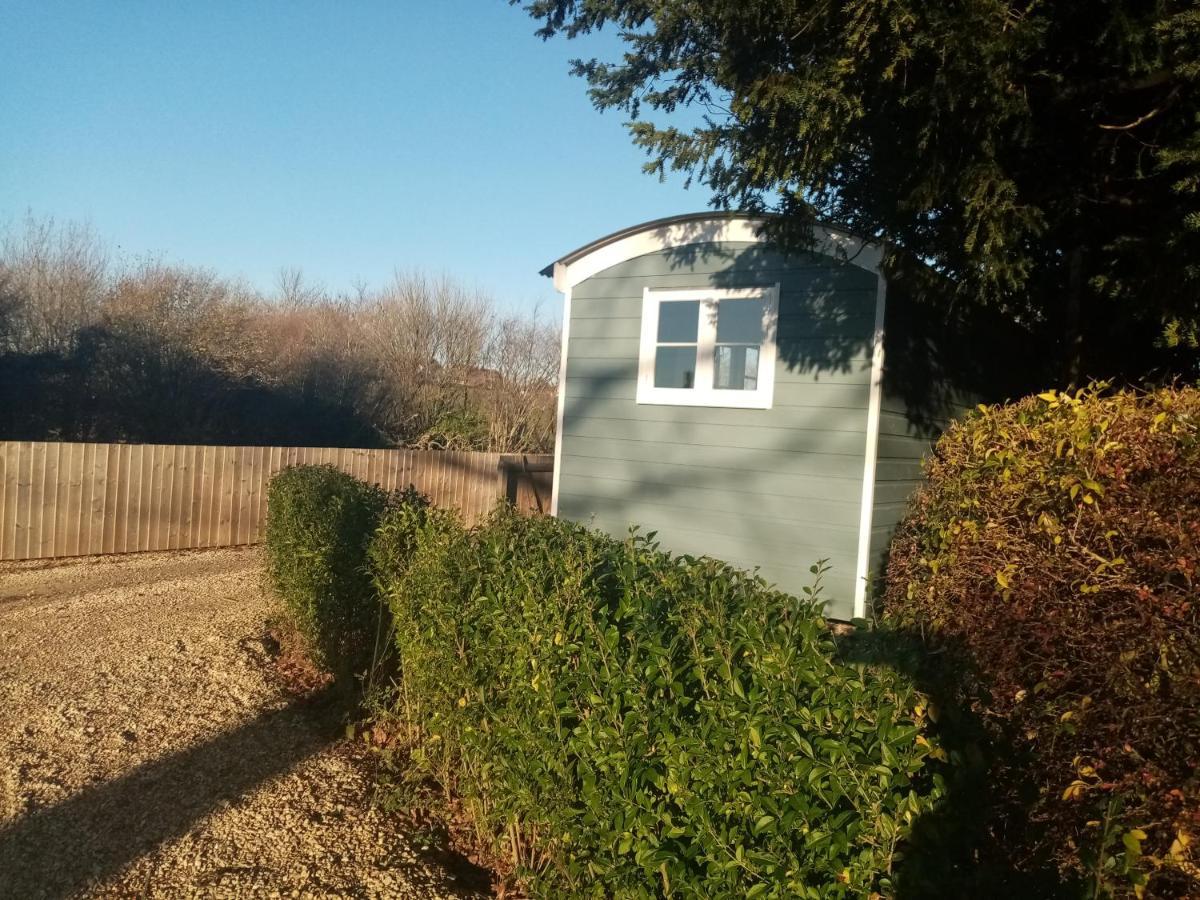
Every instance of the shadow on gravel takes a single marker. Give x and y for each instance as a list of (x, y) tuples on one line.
[(57, 851)]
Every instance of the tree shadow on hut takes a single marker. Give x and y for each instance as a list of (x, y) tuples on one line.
[(942, 356)]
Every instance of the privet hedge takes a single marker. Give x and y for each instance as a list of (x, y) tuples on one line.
[(319, 523), (395, 536), (1055, 556), (629, 723)]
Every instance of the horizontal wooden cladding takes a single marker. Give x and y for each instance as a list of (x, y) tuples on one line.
[(816, 280), (709, 463), (816, 353), (745, 547), (734, 436), (737, 267), (633, 415), (801, 372), (796, 337), (783, 457), (737, 446), (683, 476), (888, 515), (901, 424), (785, 560), (798, 313), (73, 499), (619, 394), (720, 506)]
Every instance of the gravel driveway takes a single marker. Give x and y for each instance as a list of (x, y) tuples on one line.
[(148, 748)]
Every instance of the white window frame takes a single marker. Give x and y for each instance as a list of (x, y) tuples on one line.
[(704, 394)]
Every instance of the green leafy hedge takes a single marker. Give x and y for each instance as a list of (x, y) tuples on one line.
[(628, 723), (395, 536), (1054, 557), (319, 523)]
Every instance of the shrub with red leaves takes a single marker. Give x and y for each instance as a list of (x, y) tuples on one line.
[(1055, 552)]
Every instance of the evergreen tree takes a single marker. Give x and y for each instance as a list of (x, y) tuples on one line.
[(1039, 159)]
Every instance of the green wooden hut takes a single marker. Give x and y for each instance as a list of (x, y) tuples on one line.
[(733, 399)]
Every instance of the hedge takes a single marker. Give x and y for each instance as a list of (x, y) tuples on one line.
[(624, 722), (394, 540), (1053, 559), (319, 524)]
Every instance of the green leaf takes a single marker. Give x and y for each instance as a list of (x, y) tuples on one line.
[(762, 823)]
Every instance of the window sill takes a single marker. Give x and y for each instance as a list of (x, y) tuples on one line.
[(692, 397)]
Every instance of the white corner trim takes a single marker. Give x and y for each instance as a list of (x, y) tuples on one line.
[(874, 406), (562, 404), (705, 231), (703, 394)]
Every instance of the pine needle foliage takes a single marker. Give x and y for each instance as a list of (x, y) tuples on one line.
[(1042, 159)]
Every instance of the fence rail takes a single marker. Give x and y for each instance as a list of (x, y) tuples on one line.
[(71, 499)]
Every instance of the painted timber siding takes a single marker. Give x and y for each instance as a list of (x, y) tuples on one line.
[(902, 448), (771, 488), (906, 438)]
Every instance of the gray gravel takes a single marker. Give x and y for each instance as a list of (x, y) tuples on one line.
[(148, 749)]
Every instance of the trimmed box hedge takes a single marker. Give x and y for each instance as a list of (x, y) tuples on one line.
[(1053, 560), (623, 722), (320, 522)]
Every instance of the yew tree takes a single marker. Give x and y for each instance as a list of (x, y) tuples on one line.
[(1036, 159)]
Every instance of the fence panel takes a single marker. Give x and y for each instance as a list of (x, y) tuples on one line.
[(74, 499)]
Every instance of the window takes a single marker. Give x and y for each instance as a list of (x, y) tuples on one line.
[(708, 347)]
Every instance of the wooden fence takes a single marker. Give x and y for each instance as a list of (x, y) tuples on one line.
[(68, 499)]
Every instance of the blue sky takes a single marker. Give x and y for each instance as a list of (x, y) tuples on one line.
[(348, 139)]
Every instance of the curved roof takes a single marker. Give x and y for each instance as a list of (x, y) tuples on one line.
[(692, 228)]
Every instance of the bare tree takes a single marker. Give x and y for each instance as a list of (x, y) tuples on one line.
[(294, 291), (181, 311), (11, 302), (59, 274), (520, 407), (135, 352), (428, 337)]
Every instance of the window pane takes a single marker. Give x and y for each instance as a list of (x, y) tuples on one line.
[(675, 367), (739, 321), (735, 368), (678, 321)]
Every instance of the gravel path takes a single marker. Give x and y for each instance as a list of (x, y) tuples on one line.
[(147, 747)]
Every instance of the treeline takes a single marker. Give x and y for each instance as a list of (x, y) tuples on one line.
[(92, 350)]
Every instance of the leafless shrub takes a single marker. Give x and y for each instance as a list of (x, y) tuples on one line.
[(175, 310), (294, 291), (428, 336), (519, 404), (11, 301), (423, 361), (55, 277)]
